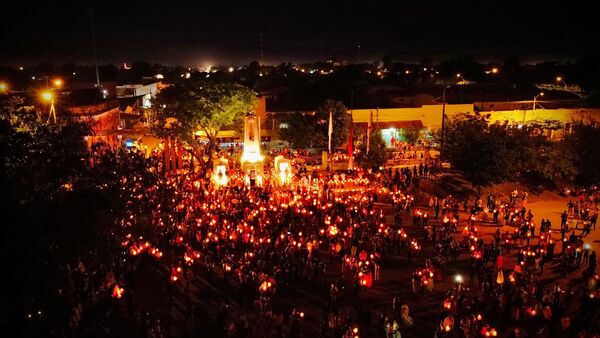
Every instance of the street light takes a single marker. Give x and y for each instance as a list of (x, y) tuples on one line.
[(57, 83), (535, 98), (49, 97), (3, 87), (560, 79), (462, 79), (534, 102)]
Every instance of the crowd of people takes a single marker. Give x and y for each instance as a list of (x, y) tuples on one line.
[(226, 254), (257, 239)]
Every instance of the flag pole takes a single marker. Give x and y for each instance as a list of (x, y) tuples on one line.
[(351, 144), (330, 130), (369, 127), (351, 135)]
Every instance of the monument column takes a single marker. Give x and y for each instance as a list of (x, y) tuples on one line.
[(252, 160)]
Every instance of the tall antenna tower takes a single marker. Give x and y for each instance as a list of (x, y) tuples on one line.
[(93, 31), (262, 48)]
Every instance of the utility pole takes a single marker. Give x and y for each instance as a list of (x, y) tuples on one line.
[(262, 48), (93, 31)]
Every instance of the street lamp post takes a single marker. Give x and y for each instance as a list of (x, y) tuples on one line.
[(534, 103), (49, 96), (560, 79)]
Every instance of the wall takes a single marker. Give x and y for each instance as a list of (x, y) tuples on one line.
[(519, 105), (137, 90), (564, 115), (93, 109), (430, 115)]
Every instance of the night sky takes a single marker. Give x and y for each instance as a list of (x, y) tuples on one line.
[(221, 32)]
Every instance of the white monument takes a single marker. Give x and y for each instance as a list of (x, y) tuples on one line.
[(252, 160), (283, 170), (220, 169)]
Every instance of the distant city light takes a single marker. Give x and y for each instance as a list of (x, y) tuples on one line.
[(159, 76), (58, 82), (495, 70), (3, 87), (230, 69)]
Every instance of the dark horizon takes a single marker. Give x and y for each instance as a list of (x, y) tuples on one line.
[(197, 34)]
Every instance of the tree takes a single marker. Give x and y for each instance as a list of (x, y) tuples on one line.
[(484, 153), (377, 155), (583, 143), (411, 134), (489, 153), (553, 161), (299, 130), (191, 106), (311, 130), (65, 210), (464, 148)]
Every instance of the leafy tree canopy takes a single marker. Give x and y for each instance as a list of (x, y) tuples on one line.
[(377, 155), (311, 130), (488, 153), (191, 106), (582, 145)]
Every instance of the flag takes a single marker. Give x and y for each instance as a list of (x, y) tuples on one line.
[(369, 128), (351, 144), (330, 131)]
